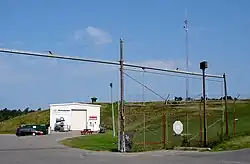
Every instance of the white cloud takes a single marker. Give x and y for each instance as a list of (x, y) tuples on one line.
[(93, 34), (99, 36)]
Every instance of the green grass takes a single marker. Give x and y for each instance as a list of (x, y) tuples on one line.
[(96, 142), (234, 143)]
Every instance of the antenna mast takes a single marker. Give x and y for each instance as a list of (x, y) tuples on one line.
[(186, 42)]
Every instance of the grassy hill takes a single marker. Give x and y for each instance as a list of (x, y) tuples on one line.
[(42, 117), (39, 117), (150, 122)]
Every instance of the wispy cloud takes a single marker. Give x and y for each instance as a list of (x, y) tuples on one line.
[(98, 36), (79, 34)]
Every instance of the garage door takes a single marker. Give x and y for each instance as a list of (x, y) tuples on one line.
[(78, 119)]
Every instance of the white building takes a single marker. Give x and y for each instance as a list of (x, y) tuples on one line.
[(77, 116)]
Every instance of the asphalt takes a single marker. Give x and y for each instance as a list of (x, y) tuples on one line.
[(47, 150)]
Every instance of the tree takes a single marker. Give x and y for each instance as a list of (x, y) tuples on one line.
[(178, 98)]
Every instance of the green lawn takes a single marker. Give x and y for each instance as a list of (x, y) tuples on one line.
[(95, 142)]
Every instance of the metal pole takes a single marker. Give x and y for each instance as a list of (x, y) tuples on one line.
[(223, 114), (167, 139), (226, 110), (204, 107), (112, 108), (143, 87), (118, 126), (164, 129), (201, 124), (235, 119), (187, 80), (28, 53), (118, 118), (122, 111)]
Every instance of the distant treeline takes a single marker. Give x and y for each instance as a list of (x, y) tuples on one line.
[(6, 114), (207, 98)]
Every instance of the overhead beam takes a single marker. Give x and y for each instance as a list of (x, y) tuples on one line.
[(47, 55)]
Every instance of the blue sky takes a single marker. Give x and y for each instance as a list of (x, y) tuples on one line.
[(153, 35)]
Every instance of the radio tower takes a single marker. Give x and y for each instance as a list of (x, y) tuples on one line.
[(186, 32)]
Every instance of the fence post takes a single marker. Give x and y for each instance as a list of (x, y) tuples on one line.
[(226, 109), (167, 139), (164, 129), (235, 122), (186, 123), (222, 124), (144, 130)]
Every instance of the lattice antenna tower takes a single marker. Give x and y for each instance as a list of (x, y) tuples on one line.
[(186, 45)]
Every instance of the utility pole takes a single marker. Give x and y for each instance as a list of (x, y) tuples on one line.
[(226, 109), (122, 110), (186, 43), (203, 66)]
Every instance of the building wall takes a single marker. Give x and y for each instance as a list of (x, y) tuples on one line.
[(64, 110), (59, 111), (93, 111)]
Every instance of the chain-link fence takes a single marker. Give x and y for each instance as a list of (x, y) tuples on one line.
[(146, 122), (152, 125), (238, 117)]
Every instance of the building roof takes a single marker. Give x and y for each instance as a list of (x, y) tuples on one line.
[(75, 103)]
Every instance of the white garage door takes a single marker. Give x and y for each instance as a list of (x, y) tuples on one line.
[(78, 119)]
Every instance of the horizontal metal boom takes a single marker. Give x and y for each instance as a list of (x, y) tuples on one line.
[(29, 53)]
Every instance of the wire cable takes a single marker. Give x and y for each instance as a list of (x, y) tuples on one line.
[(168, 74), (144, 86)]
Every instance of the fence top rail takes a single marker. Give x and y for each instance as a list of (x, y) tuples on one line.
[(52, 55)]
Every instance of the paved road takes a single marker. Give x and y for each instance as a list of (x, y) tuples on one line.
[(46, 150)]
